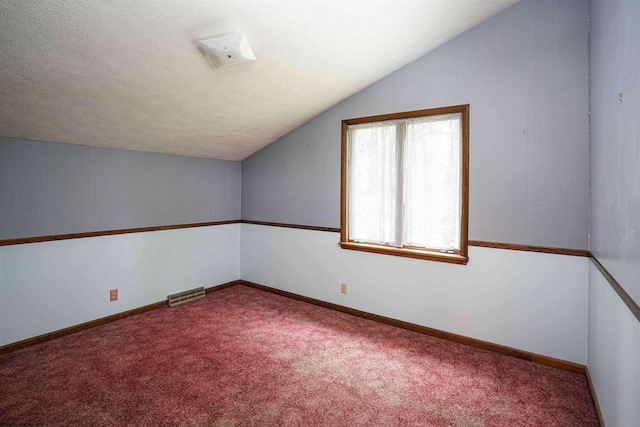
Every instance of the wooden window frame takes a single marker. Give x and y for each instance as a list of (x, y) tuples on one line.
[(458, 257)]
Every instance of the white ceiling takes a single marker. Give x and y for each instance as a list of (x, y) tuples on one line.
[(128, 74)]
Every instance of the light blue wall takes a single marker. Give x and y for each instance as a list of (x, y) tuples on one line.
[(615, 139), (51, 188), (525, 74), (613, 356)]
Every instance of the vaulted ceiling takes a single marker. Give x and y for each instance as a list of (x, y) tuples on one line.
[(128, 74)]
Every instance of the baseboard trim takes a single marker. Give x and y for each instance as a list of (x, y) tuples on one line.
[(484, 345), (594, 397), (222, 286), (97, 322)]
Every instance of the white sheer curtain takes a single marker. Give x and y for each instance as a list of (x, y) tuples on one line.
[(373, 184), (432, 182), (405, 182)]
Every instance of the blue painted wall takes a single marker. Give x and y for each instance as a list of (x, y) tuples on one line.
[(525, 74), (613, 355), (51, 188)]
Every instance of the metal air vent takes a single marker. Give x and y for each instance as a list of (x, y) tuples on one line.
[(185, 296)]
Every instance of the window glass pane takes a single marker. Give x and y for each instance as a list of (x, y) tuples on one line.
[(373, 184), (432, 182)]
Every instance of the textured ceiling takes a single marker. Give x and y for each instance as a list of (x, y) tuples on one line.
[(128, 74)]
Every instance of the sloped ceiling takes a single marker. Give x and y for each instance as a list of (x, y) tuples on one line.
[(127, 73)]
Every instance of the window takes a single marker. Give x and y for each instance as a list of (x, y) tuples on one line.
[(405, 180)]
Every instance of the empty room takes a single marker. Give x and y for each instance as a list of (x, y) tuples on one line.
[(320, 213)]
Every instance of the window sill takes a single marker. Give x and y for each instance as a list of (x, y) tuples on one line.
[(404, 252)]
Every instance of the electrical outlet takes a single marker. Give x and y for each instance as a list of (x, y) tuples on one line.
[(113, 295), (343, 288)]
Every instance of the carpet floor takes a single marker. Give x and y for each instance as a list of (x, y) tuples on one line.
[(244, 357)]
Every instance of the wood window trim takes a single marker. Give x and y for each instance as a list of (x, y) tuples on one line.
[(461, 256)]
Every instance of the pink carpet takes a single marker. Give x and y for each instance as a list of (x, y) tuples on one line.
[(244, 357)]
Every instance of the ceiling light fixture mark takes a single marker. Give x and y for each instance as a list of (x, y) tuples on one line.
[(227, 50)]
